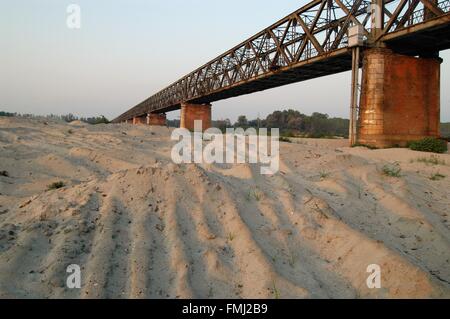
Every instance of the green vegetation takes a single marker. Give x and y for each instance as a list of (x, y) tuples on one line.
[(433, 160), (324, 175), (392, 170), (66, 118), (430, 145), (90, 120), (254, 193), (56, 185), (437, 177), (364, 145), (291, 124), (285, 139), (95, 120), (7, 114), (317, 125), (275, 291)]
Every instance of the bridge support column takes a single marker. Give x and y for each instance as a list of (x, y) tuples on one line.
[(156, 119), (140, 120), (195, 112), (400, 99)]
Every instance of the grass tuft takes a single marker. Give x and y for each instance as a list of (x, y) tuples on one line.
[(255, 193), (4, 173), (285, 139), (392, 170), (275, 291), (437, 177), (433, 160), (324, 175), (56, 185)]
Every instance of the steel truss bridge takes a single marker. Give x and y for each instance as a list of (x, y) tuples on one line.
[(309, 43)]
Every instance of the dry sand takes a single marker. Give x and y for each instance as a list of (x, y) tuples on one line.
[(140, 226)]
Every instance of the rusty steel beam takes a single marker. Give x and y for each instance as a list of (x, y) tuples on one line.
[(309, 43)]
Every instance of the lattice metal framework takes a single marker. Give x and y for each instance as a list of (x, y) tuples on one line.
[(316, 31)]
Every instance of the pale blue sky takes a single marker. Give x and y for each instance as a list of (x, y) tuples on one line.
[(128, 50)]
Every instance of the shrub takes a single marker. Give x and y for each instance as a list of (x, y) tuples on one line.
[(56, 185), (255, 193), (430, 145), (392, 170), (324, 175), (285, 139), (370, 147), (437, 177)]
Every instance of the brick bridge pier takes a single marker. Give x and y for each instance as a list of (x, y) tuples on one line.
[(400, 98)]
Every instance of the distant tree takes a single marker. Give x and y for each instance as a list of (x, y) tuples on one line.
[(96, 120), (173, 123), (222, 124), (291, 123), (2, 113), (242, 122), (68, 118)]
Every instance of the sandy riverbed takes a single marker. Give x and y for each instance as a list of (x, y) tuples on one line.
[(140, 226)]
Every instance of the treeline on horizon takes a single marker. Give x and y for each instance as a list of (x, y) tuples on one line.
[(66, 118), (293, 123), (290, 122)]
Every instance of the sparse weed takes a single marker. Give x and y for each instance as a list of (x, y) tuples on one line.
[(254, 193), (364, 145), (291, 260), (257, 194), (392, 170), (433, 160), (275, 291), (324, 175), (437, 177), (285, 139), (231, 237), (56, 185)]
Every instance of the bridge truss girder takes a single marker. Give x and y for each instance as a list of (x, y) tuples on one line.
[(293, 49)]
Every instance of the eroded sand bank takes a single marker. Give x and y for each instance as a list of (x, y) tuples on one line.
[(140, 226)]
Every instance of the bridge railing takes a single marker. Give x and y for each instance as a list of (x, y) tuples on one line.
[(407, 13)]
